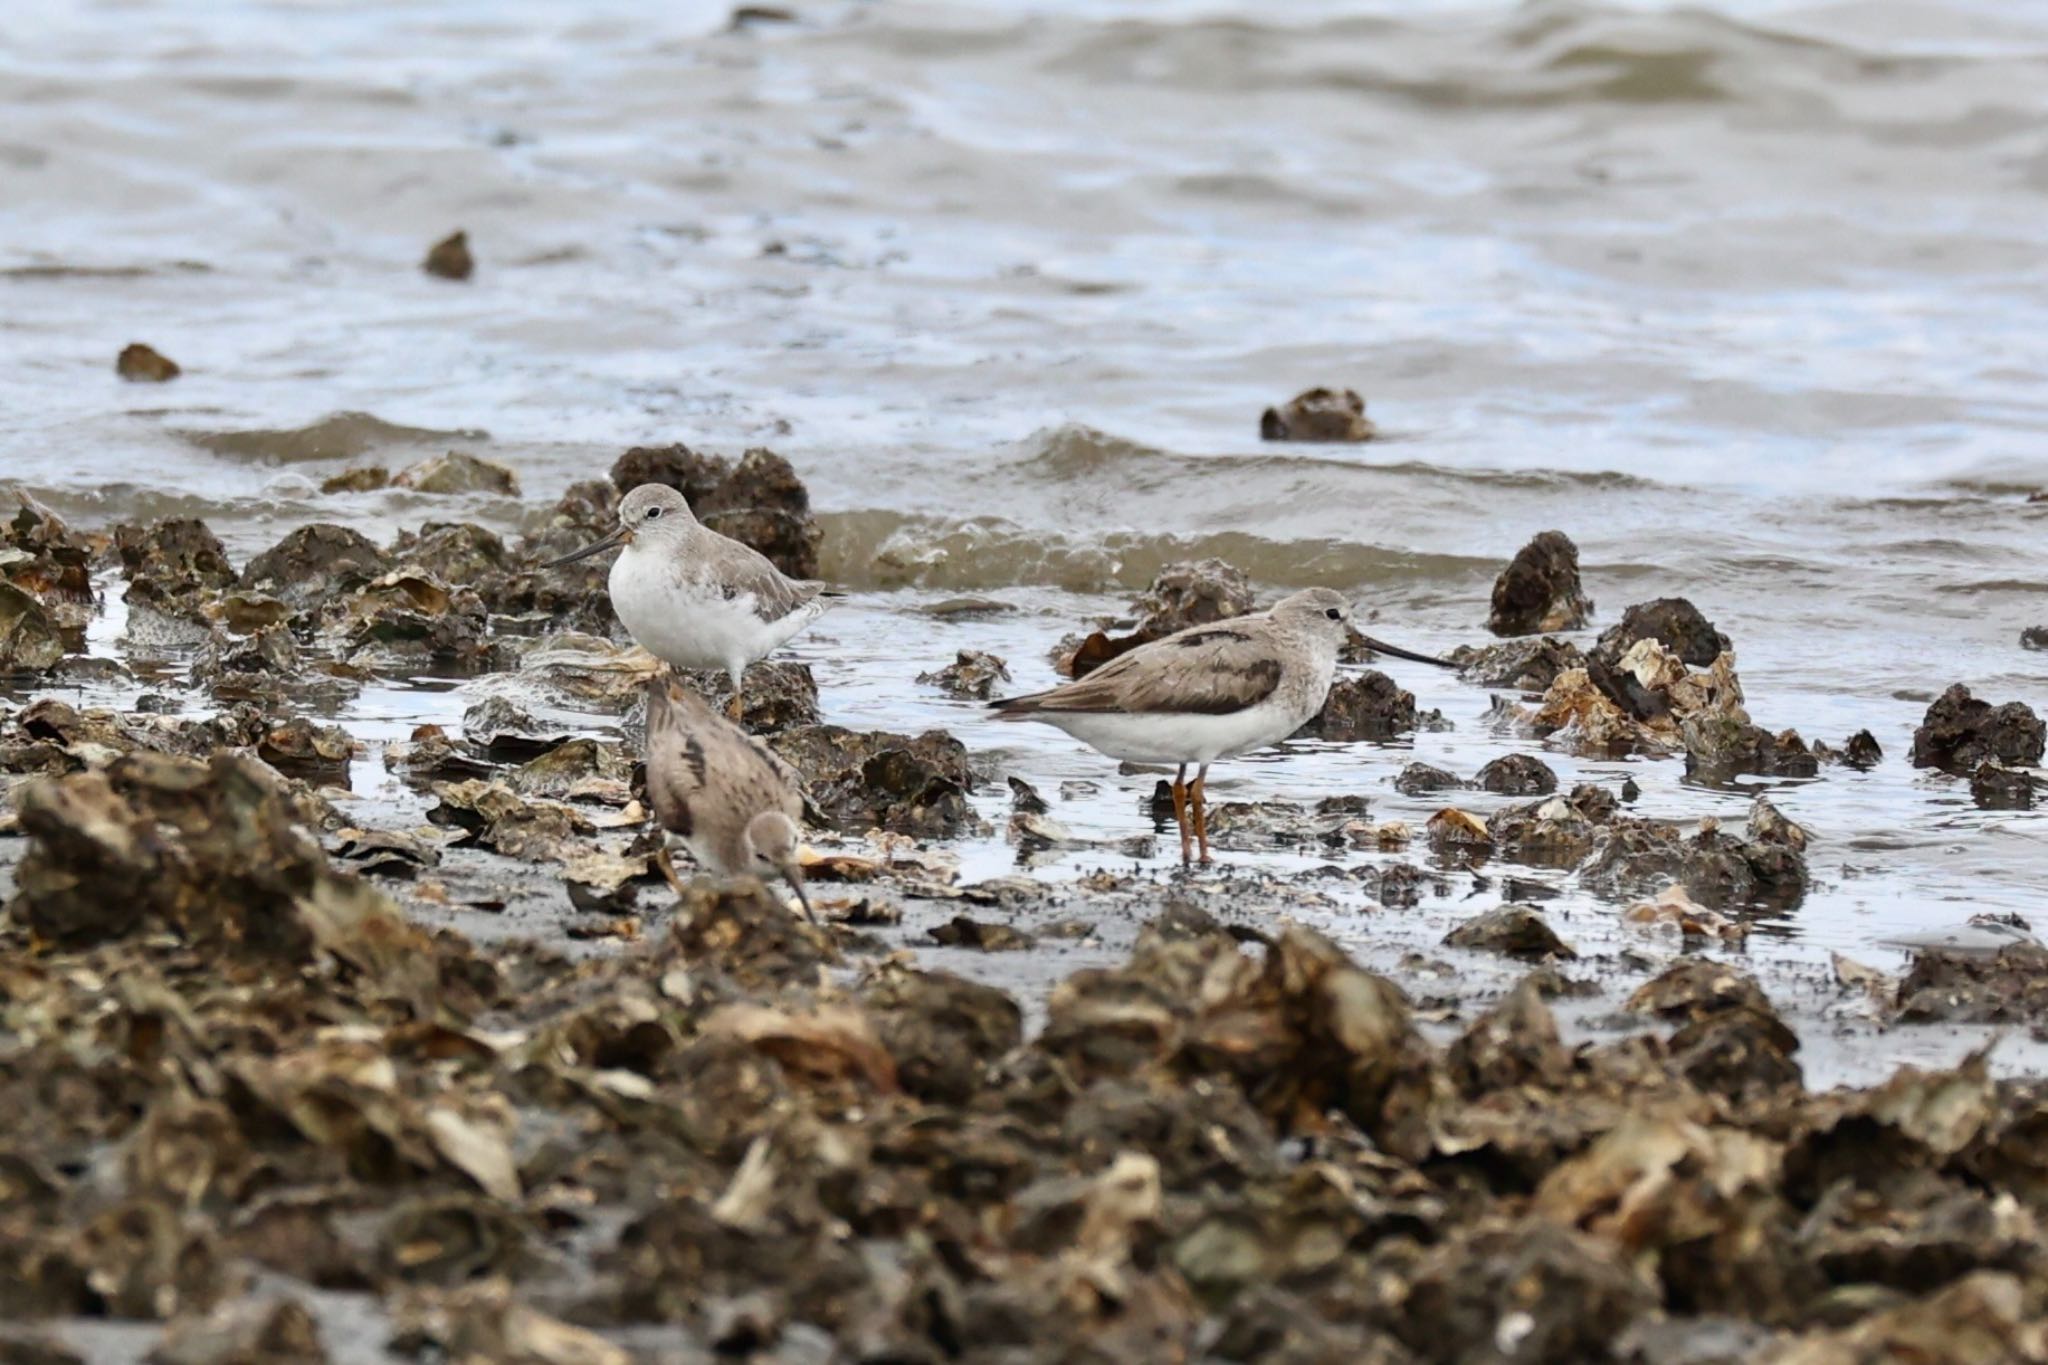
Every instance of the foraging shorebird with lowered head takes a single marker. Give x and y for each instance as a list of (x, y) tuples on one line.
[(729, 798), (694, 598), (1205, 693)]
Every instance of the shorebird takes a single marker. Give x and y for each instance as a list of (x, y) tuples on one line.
[(694, 598), (730, 800), (1203, 693)]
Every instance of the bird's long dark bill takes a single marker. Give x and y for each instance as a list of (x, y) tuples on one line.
[(796, 884), (1381, 647), (587, 551)]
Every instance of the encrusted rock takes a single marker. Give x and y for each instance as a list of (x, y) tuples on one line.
[(458, 472), (1526, 665), (176, 565), (1192, 593), (1672, 622), (915, 786), (1960, 732), (1539, 591), (2006, 987), (1512, 931), (449, 258), (1370, 705), (1418, 779), (140, 364), (758, 501), (1639, 857), (29, 641), (314, 563), (1517, 775), (1318, 415), (972, 675)]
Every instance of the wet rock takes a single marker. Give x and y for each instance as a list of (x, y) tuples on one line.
[(409, 616), (1370, 705), (1769, 825), (29, 642), (446, 1240), (944, 1031), (140, 364), (1317, 415), (972, 675), (579, 770), (1861, 750), (314, 563), (360, 479), (2034, 637), (2006, 987), (1730, 1040), (212, 852), (1980, 1317), (1192, 593), (1517, 775), (298, 747), (1960, 732), (250, 1331), (780, 694), (1638, 856), (980, 935), (501, 730), (1557, 832), (1524, 665), (1512, 931), (51, 567), (456, 552), (1514, 1043), (1718, 745), (176, 565), (492, 815), (1539, 591), (490, 1321), (1673, 909), (916, 786), (449, 258), (1419, 778), (1672, 622), (1994, 787), (1522, 1292), (457, 472), (758, 501)]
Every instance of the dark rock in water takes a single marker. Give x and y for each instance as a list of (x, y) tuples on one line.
[(360, 479), (299, 748), (1192, 593), (1720, 745), (1634, 857), (1960, 732), (1672, 622), (1370, 705), (458, 472), (176, 565), (1525, 665), (1996, 787), (1557, 832), (1318, 415), (962, 932), (1512, 931), (1517, 775), (1398, 885), (409, 616), (1730, 1039), (1861, 750), (916, 786), (759, 501), (972, 675), (1539, 591), (456, 552), (49, 564), (140, 364), (1025, 800), (780, 694), (315, 563), (29, 640), (1418, 778), (243, 1332), (2034, 637), (449, 258), (2008, 987)]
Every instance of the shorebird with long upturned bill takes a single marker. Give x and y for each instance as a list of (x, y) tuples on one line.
[(728, 797), (694, 598), (1205, 693)]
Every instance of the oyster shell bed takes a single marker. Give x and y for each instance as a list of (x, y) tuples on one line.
[(438, 1071)]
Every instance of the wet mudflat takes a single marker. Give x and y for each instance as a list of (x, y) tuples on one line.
[(353, 1041)]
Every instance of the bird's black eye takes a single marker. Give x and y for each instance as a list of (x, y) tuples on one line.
[(1334, 614), (653, 512)]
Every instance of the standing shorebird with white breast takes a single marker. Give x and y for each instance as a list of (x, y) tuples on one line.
[(694, 598), (728, 797), (1205, 693)]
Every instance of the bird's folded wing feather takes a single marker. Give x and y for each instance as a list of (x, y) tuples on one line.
[(1210, 670), (734, 569)]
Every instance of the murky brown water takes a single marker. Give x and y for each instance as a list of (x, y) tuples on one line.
[(1749, 300)]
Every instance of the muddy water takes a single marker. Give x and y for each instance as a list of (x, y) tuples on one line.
[(1746, 298)]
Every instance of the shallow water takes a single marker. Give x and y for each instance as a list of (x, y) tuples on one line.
[(1747, 298)]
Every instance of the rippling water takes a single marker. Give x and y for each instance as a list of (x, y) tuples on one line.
[(1749, 299)]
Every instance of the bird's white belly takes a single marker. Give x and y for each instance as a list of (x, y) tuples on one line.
[(685, 628), (1178, 737)]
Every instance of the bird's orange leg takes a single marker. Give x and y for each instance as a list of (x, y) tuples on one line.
[(1198, 798), (1180, 808), (668, 872)]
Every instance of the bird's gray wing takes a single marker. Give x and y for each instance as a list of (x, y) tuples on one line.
[(726, 566), (1206, 670)]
